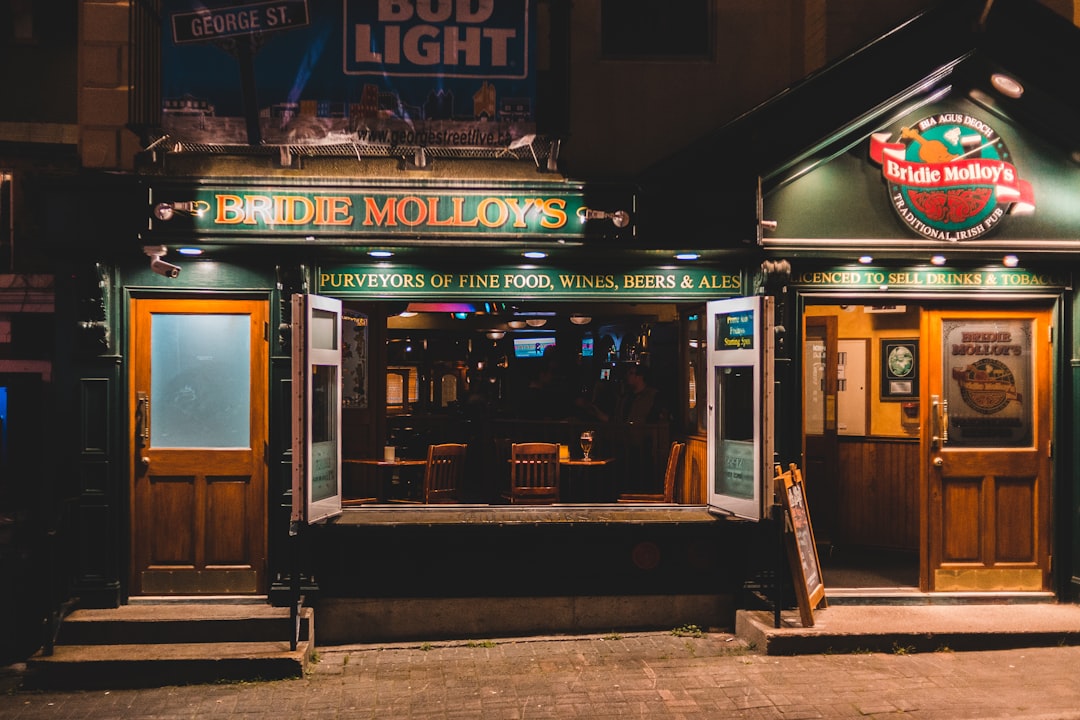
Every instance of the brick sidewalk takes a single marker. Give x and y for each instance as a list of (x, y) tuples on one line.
[(659, 675)]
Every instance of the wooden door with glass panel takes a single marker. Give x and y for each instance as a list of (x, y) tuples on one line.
[(198, 397), (989, 465)]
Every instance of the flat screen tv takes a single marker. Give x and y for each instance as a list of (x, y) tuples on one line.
[(532, 347)]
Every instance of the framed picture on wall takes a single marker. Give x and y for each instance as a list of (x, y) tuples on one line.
[(899, 369)]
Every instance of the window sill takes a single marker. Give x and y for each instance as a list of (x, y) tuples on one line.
[(525, 515)]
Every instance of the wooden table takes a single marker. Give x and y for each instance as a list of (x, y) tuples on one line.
[(588, 480), (392, 484)]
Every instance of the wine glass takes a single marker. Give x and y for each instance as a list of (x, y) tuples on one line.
[(586, 443)]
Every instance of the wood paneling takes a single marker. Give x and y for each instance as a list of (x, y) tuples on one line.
[(877, 493)]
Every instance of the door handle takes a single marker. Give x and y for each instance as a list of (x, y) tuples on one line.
[(142, 419), (939, 416), (142, 429)]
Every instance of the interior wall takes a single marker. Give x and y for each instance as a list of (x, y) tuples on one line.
[(877, 323)]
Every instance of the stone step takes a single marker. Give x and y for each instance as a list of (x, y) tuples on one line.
[(148, 645), (180, 623)]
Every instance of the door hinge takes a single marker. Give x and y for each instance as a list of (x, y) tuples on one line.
[(1050, 332), (266, 331)]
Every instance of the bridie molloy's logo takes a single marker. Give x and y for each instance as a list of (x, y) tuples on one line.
[(950, 177)]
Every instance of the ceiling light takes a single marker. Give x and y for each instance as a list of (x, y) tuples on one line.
[(1010, 261), (937, 260), (516, 324), (866, 259), (687, 256), (578, 319), (1007, 86), (380, 253), (534, 254), (536, 322), (495, 334), (190, 251)]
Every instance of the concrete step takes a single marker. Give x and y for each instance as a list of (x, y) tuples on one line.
[(149, 645), (911, 628)]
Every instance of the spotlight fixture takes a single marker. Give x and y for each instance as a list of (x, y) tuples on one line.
[(380, 253), (937, 260), (534, 254), (1010, 261), (687, 256), (1006, 85), (618, 218), (865, 259), (190, 251), (168, 210)]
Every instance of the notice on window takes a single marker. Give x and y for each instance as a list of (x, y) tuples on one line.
[(735, 331)]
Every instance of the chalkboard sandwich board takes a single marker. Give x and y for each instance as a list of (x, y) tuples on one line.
[(802, 551)]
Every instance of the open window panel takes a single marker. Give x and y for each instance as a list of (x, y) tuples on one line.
[(740, 379), (316, 408)]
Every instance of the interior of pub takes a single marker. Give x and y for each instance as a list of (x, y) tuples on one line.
[(494, 376)]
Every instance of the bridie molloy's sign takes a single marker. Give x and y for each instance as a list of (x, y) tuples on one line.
[(348, 212), (950, 177)]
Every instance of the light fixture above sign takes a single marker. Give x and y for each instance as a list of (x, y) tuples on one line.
[(618, 218), (167, 210)]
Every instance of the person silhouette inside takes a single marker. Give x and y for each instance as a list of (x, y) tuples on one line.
[(639, 401)]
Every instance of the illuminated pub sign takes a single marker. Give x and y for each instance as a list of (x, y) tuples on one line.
[(320, 214), (951, 177), (511, 282)]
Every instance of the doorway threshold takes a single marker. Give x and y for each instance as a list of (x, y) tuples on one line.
[(198, 600), (913, 596)]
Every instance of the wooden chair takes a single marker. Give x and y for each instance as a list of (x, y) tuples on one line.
[(534, 473), (443, 473), (668, 495)]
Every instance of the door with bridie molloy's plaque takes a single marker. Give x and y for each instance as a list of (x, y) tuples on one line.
[(987, 433)]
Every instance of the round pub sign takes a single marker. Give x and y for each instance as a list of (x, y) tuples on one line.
[(950, 177)]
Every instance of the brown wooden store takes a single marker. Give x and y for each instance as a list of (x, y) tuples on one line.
[(884, 297)]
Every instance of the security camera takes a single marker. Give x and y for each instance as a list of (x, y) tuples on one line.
[(163, 268), (155, 253)]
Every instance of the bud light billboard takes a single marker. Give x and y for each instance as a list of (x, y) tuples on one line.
[(431, 73)]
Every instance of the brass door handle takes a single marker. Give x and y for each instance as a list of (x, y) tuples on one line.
[(142, 419)]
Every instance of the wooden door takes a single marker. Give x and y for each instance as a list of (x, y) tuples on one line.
[(198, 404), (988, 468), (820, 445)]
